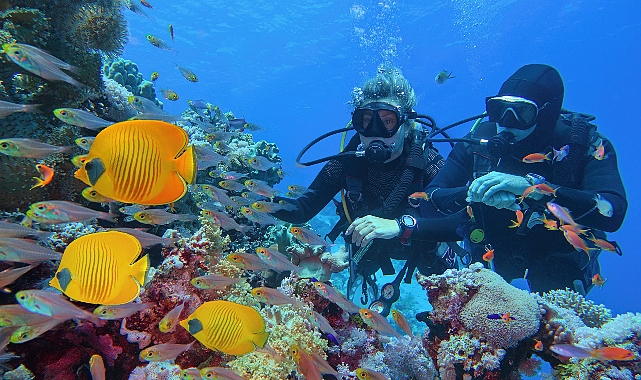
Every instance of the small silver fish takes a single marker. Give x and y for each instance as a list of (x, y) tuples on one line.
[(40, 63), (7, 108), (188, 74), (29, 148), (81, 118)]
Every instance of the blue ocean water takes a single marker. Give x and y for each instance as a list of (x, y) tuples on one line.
[(290, 66)]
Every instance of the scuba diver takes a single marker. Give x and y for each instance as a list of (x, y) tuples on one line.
[(538, 192), (381, 174)]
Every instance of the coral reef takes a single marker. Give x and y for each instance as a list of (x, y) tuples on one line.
[(125, 73), (98, 28), (471, 342), (591, 314), (318, 263)]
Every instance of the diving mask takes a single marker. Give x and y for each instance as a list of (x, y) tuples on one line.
[(512, 111), (378, 119)]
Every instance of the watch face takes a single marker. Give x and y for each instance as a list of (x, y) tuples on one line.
[(408, 221)]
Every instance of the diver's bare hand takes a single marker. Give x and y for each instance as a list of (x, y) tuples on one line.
[(368, 228)]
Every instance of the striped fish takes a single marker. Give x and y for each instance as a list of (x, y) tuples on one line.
[(140, 161), (99, 268), (227, 326)]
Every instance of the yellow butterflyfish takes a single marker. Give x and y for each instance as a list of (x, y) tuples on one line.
[(99, 268), (227, 326), (147, 162)]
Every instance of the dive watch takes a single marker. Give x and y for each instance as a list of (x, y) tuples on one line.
[(406, 223)]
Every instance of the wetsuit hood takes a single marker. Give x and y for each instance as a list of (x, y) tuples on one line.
[(541, 84)]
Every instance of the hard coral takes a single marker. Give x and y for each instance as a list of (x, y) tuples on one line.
[(496, 296), (591, 314), (125, 72), (469, 342), (97, 27)]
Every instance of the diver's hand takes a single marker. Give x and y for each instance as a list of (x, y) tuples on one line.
[(484, 188), (368, 228), (502, 199)]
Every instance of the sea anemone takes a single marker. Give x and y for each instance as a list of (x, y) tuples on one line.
[(100, 28)]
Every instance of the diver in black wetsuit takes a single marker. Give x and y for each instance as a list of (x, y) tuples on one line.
[(395, 165), (564, 152)]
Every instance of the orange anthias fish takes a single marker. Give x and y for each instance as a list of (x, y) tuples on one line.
[(550, 224), (100, 268), (519, 219), (46, 174), (419, 195), (542, 188), (574, 240), (603, 244), (561, 212), (599, 152), (146, 162), (538, 346), (228, 327), (489, 253), (598, 281), (602, 354), (536, 157), (274, 297)]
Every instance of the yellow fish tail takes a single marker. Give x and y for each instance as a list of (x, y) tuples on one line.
[(186, 165), (39, 183), (260, 339), (139, 270)]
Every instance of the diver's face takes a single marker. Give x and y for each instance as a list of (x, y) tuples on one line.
[(519, 134), (397, 139)]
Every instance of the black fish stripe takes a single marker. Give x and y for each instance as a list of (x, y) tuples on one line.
[(133, 165), (229, 329), (147, 177), (119, 154), (96, 266)]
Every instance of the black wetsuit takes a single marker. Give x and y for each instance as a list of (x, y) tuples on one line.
[(377, 184), (552, 262)]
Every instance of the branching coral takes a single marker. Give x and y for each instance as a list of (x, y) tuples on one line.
[(591, 314)]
